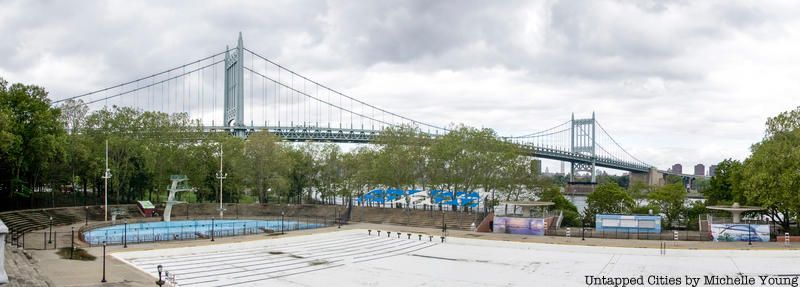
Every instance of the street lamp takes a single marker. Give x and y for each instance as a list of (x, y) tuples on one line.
[(87, 215), (49, 241), (72, 242), (125, 235), (106, 176), (160, 282), (583, 227), (212, 229), (220, 176), (104, 263)]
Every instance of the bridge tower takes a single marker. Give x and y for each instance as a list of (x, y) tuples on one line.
[(582, 136), (234, 90)]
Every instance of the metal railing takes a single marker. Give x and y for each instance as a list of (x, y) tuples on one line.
[(684, 235), (45, 240)]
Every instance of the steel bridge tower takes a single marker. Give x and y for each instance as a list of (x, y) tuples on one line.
[(582, 136), (234, 90)]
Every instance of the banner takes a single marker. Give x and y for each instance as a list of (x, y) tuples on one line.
[(740, 232), (519, 225)]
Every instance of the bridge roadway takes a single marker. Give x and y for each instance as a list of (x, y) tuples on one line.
[(361, 135)]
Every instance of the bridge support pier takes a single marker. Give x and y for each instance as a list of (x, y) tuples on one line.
[(651, 177)]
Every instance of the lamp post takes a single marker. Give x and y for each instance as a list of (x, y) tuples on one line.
[(49, 241), (87, 215), (106, 176), (583, 230), (749, 234), (282, 215), (212, 229), (125, 235), (160, 282), (104, 263), (72, 244), (220, 176)]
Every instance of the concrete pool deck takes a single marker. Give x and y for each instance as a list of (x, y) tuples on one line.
[(119, 273)]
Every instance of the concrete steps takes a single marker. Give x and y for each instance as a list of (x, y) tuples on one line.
[(21, 270)]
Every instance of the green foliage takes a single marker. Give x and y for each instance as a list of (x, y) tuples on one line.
[(696, 209), (608, 198), (31, 141), (561, 203), (721, 186), (269, 165), (669, 200), (638, 191), (145, 148), (770, 177)]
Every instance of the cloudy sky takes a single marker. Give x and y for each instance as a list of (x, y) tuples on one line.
[(673, 81)]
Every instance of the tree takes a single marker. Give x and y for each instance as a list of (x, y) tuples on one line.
[(269, 163), (553, 194), (722, 184), (32, 138), (303, 173), (669, 200), (400, 159), (770, 177), (608, 198), (638, 191)]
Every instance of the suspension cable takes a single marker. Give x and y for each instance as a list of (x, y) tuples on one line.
[(139, 79)]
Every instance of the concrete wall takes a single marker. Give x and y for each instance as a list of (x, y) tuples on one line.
[(3, 233)]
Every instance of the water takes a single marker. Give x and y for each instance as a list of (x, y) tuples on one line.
[(191, 229)]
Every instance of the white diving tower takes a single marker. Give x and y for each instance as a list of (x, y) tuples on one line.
[(178, 184)]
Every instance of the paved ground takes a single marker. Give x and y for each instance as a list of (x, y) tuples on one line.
[(354, 258), (88, 273)]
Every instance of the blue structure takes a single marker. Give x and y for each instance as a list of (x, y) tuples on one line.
[(628, 223), (376, 196), (438, 196), (189, 229)]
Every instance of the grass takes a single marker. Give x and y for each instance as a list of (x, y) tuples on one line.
[(78, 254)]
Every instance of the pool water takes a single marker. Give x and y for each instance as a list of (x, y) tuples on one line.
[(191, 229)]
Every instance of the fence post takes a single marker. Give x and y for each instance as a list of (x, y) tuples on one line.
[(786, 240), (675, 236)]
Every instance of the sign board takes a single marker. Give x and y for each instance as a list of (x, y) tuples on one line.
[(628, 223), (728, 232), (519, 225), (146, 204)]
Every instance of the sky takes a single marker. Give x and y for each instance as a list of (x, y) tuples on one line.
[(672, 81)]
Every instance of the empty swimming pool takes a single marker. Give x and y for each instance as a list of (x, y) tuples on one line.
[(192, 229)]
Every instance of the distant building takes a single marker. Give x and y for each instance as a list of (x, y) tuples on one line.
[(677, 168), (699, 169), (536, 167), (712, 170)]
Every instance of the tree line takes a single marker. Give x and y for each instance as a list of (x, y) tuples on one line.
[(56, 153), (769, 178)]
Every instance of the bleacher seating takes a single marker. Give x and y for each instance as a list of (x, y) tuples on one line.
[(21, 221)]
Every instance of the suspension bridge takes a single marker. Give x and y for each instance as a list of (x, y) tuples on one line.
[(253, 93)]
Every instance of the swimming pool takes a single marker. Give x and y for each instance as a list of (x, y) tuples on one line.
[(192, 229)]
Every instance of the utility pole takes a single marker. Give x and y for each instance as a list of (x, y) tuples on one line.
[(106, 176), (220, 176)]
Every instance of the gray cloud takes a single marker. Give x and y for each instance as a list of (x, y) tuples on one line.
[(675, 81)]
